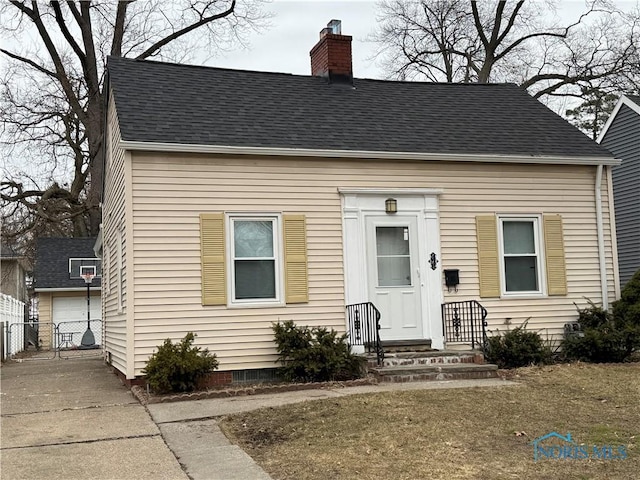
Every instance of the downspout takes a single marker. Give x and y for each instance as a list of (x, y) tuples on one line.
[(600, 230)]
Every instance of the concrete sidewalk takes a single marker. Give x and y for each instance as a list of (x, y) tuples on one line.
[(73, 419), (191, 430)]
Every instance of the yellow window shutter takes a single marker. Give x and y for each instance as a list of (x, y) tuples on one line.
[(295, 259), (212, 250), (554, 251), (488, 261)]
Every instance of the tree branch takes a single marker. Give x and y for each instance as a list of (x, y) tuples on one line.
[(168, 39), (67, 34), (55, 56), (29, 62), (118, 29)]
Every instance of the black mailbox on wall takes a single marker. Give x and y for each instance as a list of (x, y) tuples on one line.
[(452, 278)]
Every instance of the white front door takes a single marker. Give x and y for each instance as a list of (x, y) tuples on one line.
[(393, 269)]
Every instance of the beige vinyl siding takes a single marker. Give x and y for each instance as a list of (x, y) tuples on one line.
[(45, 316), (171, 191), (113, 218)]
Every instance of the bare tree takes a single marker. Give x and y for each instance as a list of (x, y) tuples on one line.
[(468, 41), (52, 93)]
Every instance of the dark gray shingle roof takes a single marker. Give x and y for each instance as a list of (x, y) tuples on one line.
[(170, 103), (52, 261)]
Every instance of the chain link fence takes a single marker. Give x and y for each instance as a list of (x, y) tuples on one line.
[(79, 338), (46, 340)]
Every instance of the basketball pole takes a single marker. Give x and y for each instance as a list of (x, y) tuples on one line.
[(88, 340)]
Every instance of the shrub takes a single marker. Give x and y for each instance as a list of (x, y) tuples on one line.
[(599, 342), (626, 314), (517, 348), (178, 367), (314, 354), (608, 337)]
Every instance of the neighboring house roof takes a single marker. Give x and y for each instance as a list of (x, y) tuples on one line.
[(635, 99), (629, 101), (52, 262), (189, 105), (8, 252)]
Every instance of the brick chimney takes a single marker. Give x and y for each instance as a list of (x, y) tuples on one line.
[(331, 56)]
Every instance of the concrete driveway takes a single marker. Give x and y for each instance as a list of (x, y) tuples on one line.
[(73, 419)]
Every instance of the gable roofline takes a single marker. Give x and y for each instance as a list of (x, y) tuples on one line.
[(362, 154), (624, 100)]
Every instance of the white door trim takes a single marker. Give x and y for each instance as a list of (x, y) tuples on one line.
[(357, 204)]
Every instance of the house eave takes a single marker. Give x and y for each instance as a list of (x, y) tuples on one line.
[(362, 154), (74, 289)]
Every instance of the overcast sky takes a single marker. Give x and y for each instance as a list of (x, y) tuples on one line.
[(295, 29), (296, 25), (284, 46)]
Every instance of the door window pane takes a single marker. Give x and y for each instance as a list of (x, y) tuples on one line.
[(392, 240), (393, 259), (394, 271)]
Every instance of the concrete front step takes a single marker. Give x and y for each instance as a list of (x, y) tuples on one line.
[(420, 373), (427, 358)]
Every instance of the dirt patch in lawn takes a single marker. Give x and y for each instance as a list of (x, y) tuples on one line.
[(475, 433)]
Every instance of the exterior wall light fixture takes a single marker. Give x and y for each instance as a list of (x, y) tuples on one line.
[(391, 205)]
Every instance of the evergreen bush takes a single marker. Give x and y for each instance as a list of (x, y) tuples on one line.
[(178, 367), (608, 337), (314, 354), (517, 348)]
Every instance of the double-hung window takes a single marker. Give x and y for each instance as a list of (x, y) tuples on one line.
[(520, 255), (255, 258)]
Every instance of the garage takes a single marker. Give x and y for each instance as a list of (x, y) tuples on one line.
[(70, 314)]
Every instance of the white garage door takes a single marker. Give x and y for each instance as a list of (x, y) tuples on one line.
[(70, 314), (69, 309)]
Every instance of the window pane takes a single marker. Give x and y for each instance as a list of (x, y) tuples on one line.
[(253, 238), (255, 279), (521, 275), (518, 237), (392, 240), (394, 271)]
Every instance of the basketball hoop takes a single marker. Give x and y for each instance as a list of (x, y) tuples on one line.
[(87, 272)]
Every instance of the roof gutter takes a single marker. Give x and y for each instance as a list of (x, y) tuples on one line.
[(361, 154), (69, 289)]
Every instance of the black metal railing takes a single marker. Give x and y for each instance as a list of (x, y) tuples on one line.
[(364, 328), (465, 322)]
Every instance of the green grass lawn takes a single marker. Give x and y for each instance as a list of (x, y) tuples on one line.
[(474, 433)]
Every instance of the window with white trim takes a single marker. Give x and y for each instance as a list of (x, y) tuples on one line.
[(254, 259), (520, 255)]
